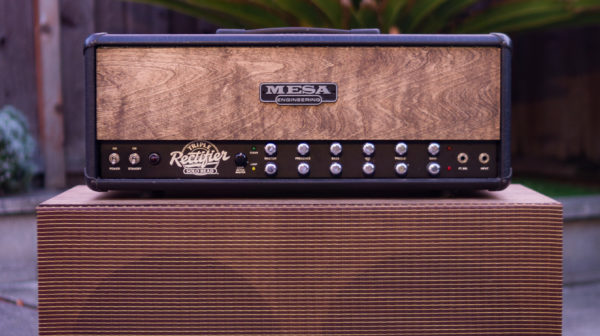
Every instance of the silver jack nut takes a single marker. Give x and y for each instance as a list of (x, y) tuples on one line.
[(462, 158), (484, 158)]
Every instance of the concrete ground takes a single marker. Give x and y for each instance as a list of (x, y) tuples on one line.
[(18, 285)]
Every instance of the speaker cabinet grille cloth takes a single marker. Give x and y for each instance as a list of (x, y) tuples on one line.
[(110, 264)]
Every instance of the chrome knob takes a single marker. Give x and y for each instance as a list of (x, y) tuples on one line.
[(270, 169), (114, 159), (433, 168), (401, 148), (270, 149), (335, 149), (368, 168), (401, 168), (433, 148), (368, 149), (335, 168), (134, 158), (303, 168), (303, 148)]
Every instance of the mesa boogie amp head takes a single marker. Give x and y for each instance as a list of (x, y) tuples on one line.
[(323, 111)]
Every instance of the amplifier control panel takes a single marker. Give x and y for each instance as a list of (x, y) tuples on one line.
[(298, 159)]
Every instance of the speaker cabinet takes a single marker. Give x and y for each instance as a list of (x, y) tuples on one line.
[(113, 264)]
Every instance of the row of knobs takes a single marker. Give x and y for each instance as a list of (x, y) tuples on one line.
[(304, 169), (368, 149), (368, 168)]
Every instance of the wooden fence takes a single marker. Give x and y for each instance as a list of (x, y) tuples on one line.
[(556, 111), (556, 103)]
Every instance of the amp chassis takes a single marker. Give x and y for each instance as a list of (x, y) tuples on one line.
[(310, 165)]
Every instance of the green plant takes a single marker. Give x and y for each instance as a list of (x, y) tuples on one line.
[(16, 151), (557, 188), (403, 16)]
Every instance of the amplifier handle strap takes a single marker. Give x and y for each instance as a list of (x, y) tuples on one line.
[(298, 30)]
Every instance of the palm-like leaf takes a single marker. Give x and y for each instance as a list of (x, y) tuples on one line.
[(392, 13), (409, 16), (522, 15), (333, 10), (440, 19)]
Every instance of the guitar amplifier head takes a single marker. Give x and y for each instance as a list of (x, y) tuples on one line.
[(306, 112)]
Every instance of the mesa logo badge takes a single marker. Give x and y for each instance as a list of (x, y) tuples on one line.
[(298, 93)]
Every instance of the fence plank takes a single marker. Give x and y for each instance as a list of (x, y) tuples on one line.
[(109, 16), (77, 22), (184, 24), (50, 92), (145, 19), (591, 117)]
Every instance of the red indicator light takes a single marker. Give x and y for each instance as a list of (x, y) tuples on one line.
[(449, 148), (449, 168)]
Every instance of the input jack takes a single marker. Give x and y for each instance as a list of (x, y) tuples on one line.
[(462, 158), (484, 158)]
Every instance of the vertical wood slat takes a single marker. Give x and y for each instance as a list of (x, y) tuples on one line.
[(555, 106), (591, 118), (49, 90), (77, 22), (109, 16), (144, 19), (80, 18)]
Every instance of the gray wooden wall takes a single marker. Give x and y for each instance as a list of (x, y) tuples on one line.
[(81, 18), (17, 58), (556, 111), (78, 19)]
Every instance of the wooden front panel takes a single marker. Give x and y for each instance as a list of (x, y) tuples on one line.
[(258, 268), (212, 93)]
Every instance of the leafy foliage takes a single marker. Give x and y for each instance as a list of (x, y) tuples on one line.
[(16, 151), (401, 16)]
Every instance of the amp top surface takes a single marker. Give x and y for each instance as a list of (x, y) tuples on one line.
[(343, 111)]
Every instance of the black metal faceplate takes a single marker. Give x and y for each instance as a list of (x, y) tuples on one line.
[(287, 159)]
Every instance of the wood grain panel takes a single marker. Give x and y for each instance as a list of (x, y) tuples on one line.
[(383, 93), (300, 267)]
